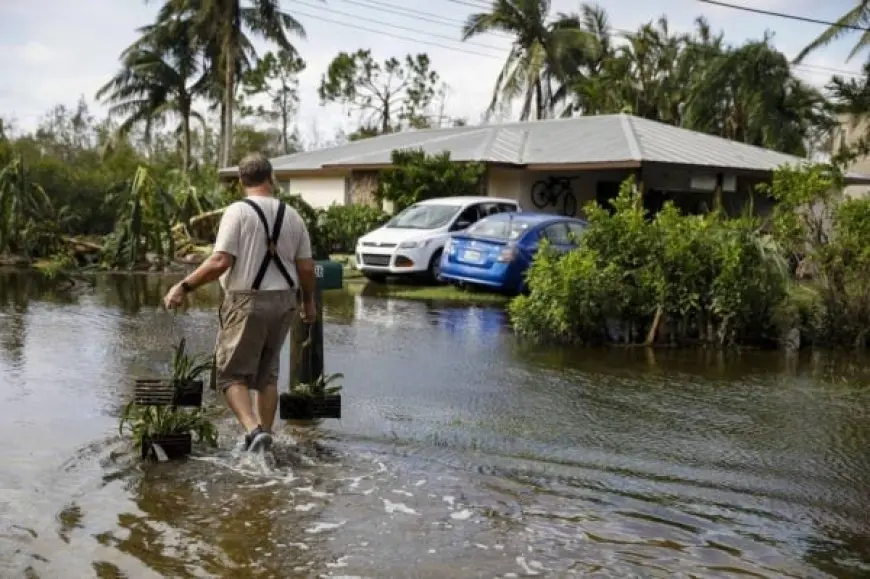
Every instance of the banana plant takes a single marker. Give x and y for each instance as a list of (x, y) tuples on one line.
[(24, 205), (145, 223)]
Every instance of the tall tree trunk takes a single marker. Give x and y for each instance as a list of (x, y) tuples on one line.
[(285, 121), (185, 141), (229, 93), (539, 99), (385, 119), (219, 149)]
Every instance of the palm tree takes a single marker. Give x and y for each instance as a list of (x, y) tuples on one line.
[(587, 70), (749, 94), (540, 55), (222, 28), (854, 20), (160, 76), (852, 98), (649, 82)]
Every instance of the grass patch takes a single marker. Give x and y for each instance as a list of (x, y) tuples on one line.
[(360, 286)]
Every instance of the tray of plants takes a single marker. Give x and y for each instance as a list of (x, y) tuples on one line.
[(317, 399), (168, 427), (183, 388), (310, 401)]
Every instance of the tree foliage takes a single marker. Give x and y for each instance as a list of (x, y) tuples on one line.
[(276, 77), (388, 95), (415, 176)]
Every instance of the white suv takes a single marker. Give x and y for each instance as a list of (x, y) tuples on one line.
[(412, 241)]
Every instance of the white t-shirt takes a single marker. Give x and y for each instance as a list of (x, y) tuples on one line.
[(241, 235)]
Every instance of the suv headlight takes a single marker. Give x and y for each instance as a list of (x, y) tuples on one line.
[(413, 244)]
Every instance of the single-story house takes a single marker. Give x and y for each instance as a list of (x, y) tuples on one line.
[(596, 153), (850, 131)]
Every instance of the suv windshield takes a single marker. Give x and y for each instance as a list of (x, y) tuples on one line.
[(423, 217), (498, 228)]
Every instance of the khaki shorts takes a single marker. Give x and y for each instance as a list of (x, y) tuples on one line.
[(253, 327)]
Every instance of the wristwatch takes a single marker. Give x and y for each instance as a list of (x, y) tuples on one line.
[(186, 287)]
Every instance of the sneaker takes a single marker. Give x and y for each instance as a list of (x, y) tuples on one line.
[(258, 440)]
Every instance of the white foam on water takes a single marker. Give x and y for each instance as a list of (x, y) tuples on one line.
[(340, 562), (391, 507), (306, 507), (528, 568), (300, 546), (481, 546), (320, 527), (449, 500), (420, 482), (314, 493), (401, 492), (462, 515)]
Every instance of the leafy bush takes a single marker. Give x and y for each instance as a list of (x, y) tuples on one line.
[(311, 218), (831, 238), (342, 225), (415, 176), (711, 278)]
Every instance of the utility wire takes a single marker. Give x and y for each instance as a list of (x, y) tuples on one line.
[(428, 16), (397, 36), (784, 15), (810, 68), (398, 27)]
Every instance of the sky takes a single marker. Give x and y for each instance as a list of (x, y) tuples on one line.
[(56, 51)]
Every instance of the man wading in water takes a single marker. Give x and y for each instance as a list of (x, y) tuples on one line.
[(261, 255)]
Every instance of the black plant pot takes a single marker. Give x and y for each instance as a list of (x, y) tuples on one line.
[(157, 392), (188, 394), (297, 407), (174, 445)]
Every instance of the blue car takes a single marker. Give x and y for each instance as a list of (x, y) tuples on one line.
[(496, 251)]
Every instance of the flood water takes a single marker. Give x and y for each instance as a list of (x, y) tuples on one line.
[(461, 454)]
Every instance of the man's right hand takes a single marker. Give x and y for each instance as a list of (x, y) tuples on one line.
[(309, 311)]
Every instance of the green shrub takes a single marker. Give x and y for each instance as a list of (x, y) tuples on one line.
[(711, 278), (311, 218), (831, 238), (415, 176), (342, 225)]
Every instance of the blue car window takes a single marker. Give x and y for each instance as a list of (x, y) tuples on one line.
[(575, 231), (557, 234), (498, 229)]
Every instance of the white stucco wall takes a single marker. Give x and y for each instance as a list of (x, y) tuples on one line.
[(319, 192), (517, 184)]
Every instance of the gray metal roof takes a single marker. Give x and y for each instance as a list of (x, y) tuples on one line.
[(581, 140)]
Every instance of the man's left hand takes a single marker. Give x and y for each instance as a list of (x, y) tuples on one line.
[(174, 297)]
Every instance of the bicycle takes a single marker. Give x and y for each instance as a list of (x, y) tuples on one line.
[(548, 192)]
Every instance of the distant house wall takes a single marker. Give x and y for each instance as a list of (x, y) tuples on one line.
[(847, 134), (319, 192), (660, 184)]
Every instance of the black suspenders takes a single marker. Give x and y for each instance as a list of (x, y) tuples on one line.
[(271, 244)]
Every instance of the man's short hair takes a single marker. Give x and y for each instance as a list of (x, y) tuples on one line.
[(255, 169)]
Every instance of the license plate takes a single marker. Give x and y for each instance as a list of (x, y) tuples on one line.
[(471, 255)]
